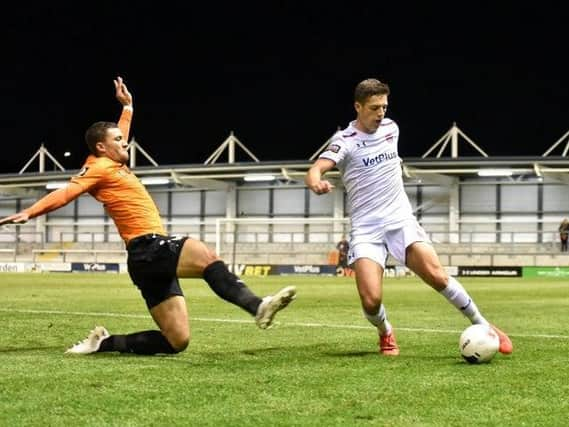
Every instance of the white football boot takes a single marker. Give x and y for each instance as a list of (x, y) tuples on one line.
[(272, 304), (90, 344)]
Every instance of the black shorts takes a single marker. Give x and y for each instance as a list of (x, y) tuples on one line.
[(152, 262)]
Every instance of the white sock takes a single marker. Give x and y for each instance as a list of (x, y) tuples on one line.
[(379, 320), (457, 296)]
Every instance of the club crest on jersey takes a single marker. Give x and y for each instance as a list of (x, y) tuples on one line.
[(334, 148)]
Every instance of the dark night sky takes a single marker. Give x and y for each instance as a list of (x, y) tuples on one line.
[(281, 75)]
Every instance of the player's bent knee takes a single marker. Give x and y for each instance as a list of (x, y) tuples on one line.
[(179, 343), (441, 277), (437, 279), (195, 257), (370, 304), (211, 257)]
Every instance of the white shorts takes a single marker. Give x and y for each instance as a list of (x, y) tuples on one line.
[(394, 242)]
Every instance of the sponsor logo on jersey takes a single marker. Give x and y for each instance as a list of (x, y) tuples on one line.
[(371, 161), (349, 135)]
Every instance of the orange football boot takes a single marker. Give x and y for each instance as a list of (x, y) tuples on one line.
[(387, 344), (506, 346)]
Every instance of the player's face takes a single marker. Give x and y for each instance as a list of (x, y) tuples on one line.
[(371, 113), (115, 146)]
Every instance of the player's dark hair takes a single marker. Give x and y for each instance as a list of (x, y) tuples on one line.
[(97, 132), (369, 87)]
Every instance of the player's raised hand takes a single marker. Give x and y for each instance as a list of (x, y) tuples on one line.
[(19, 218), (122, 93)]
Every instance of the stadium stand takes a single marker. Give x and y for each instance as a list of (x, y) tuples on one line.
[(510, 219)]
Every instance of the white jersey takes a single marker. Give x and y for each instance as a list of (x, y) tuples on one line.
[(371, 172)]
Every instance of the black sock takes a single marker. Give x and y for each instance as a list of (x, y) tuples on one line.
[(147, 342), (228, 286)]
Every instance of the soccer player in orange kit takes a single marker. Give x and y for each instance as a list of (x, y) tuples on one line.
[(155, 260)]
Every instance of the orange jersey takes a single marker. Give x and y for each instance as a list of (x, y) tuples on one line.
[(125, 199)]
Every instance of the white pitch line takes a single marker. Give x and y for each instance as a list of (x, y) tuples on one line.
[(299, 324)]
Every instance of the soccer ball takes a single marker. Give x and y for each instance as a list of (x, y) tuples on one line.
[(478, 344)]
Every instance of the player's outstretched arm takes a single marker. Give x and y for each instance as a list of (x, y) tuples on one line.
[(48, 203), (313, 178), (18, 218)]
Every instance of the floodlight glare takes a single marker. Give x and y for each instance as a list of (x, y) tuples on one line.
[(155, 180), (258, 178), (54, 185), (494, 172)]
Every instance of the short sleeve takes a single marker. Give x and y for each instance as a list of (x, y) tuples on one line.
[(89, 176), (336, 150)]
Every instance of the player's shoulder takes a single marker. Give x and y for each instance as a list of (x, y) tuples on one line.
[(349, 133), (341, 140), (345, 136), (98, 164), (388, 124)]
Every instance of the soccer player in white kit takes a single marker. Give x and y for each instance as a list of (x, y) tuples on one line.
[(382, 220)]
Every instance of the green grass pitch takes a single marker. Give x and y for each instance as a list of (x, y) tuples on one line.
[(317, 367)]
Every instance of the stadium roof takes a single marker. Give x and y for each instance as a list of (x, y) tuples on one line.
[(212, 174), (222, 176)]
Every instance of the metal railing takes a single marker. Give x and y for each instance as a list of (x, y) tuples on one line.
[(284, 237)]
